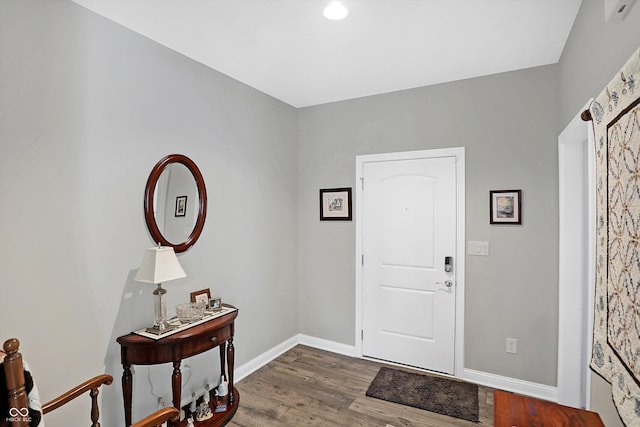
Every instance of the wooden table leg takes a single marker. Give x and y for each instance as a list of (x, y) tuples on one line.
[(223, 362), (127, 389), (230, 362), (176, 386)]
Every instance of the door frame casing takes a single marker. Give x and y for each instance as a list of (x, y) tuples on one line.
[(459, 263), (576, 243)]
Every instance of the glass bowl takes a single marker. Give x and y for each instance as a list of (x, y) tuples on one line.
[(190, 311)]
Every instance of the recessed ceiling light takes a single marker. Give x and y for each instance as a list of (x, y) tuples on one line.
[(335, 11)]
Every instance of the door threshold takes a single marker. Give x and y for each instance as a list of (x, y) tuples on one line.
[(415, 368)]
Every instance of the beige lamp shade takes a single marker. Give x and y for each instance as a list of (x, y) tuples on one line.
[(159, 265)]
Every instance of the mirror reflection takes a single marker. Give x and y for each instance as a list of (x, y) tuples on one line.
[(175, 203)]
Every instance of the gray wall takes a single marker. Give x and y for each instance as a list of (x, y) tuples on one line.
[(508, 124), (594, 53), (88, 107), (86, 110)]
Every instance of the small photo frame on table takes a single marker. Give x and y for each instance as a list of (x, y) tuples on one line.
[(203, 295), (335, 204), (505, 206), (215, 304), (181, 206)]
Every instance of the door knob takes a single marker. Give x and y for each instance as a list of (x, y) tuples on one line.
[(448, 283)]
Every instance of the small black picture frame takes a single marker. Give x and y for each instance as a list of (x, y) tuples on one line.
[(505, 207), (335, 204), (181, 206), (215, 304)]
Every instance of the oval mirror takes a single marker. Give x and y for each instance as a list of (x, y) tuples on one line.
[(175, 202)]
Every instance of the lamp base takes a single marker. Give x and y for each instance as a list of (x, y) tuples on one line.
[(156, 330)]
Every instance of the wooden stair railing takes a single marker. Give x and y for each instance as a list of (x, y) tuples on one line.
[(158, 418), (17, 394), (92, 386)]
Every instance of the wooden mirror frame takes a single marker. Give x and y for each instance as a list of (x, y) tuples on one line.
[(148, 201)]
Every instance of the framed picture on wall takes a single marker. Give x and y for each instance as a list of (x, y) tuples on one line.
[(181, 206), (335, 204), (505, 207)]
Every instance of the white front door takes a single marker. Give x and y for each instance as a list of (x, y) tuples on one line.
[(409, 254)]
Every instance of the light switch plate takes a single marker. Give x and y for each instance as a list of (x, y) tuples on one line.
[(477, 248)]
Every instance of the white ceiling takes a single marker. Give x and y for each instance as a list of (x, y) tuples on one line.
[(287, 49)]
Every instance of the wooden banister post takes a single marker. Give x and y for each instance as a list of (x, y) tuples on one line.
[(95, 411), (14, 373)]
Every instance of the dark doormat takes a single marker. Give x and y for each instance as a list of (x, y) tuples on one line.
[(444, 396)]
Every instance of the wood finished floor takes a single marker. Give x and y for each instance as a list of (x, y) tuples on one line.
[(310, 387)]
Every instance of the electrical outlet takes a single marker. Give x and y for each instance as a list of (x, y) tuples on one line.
[(512, 345)]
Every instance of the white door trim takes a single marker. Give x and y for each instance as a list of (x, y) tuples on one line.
[(576, 181), (459, 265)]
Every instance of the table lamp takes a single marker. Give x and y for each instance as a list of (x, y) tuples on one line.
[(159, 265)]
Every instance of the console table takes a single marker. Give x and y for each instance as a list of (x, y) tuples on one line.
[(139, 350)]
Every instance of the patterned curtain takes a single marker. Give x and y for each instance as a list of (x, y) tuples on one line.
[(615, 116)]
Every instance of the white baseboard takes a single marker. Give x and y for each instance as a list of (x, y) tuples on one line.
[(526, 388), (322, 344), (256, 363)]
